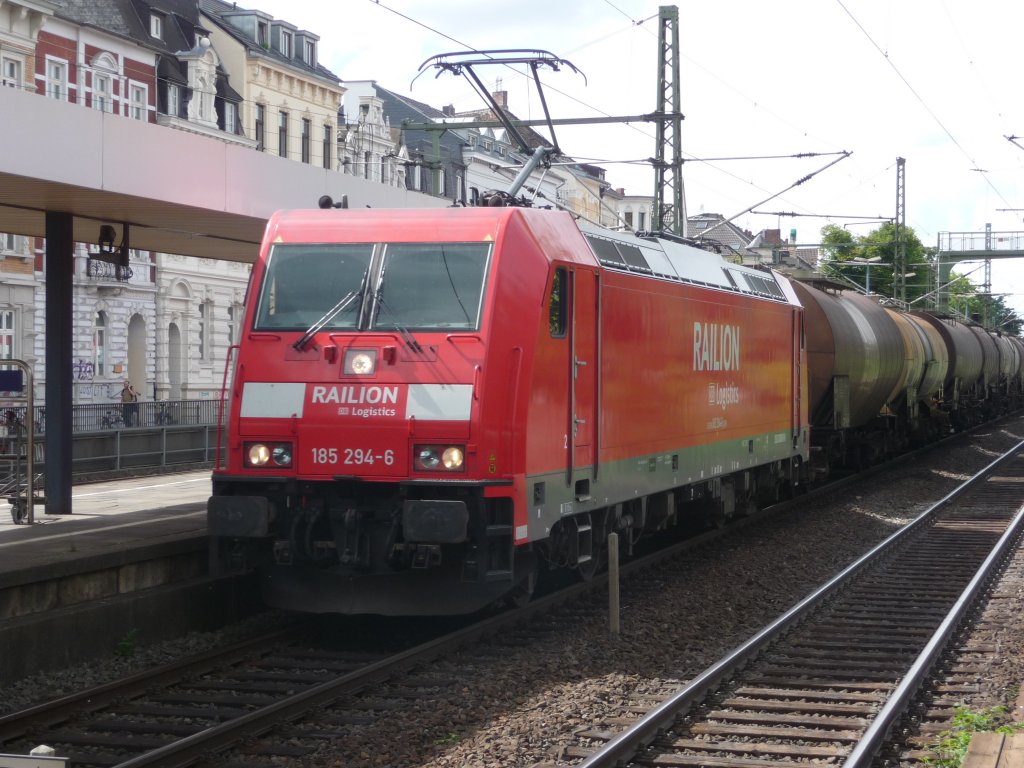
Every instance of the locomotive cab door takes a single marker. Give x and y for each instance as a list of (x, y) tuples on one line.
[(584, 365)]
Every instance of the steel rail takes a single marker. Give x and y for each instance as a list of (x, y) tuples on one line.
[(624, 746), (15, 724), (874, 738)]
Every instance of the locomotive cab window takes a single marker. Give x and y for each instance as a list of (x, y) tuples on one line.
[(396, 286), (426, 286), (557, 304), (304, 283)]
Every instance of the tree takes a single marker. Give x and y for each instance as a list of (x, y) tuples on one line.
[(878, 247)]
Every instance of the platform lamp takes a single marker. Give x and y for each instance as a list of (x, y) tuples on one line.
[(109, 253), (114, 254)]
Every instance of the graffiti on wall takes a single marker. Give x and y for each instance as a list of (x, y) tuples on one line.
[(84, 370)]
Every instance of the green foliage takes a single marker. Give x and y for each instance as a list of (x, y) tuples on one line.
[(951, 746), (878, 247), (838, 246), (126, 646)]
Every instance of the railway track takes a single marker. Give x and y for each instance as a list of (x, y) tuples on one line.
[(249, 698), (827, 681), (280, 698)]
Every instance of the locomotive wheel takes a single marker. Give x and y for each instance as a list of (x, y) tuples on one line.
[(19, 512), (522, 592)]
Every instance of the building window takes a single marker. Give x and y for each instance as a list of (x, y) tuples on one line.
[(286, 44), (156, 26), (307, 127), (57, 79), (11, 72), (138, 108), (261, 118), (232, 323), (229, 116), (366, 164), (328, 140), (282, 134), (8, 242), (101, 92), (263, 34), (309, 52), (8, 334), (173, 100), (641, 220), (202, 330), (99, 344)]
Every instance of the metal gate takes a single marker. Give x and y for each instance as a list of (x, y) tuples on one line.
[(18, 449)]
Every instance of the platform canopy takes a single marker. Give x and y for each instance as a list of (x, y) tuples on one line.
[(179, 192)]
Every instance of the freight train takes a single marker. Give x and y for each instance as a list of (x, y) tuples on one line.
[(428, 408)]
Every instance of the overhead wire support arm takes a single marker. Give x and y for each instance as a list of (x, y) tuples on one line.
[(842, 156), (443, 125)]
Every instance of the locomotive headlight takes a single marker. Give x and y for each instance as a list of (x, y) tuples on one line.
[(259, 454), (268, 454), (427, 457), (452, 457), (439, 458), (360, 362), (281, 455)]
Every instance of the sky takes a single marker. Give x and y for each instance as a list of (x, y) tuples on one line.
[(937, 82)]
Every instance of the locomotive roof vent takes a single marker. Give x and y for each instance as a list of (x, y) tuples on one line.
[(624, 256)]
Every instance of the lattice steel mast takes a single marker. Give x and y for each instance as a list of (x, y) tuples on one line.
[(668, 214)]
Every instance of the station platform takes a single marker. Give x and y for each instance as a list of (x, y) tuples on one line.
[(118, 514), (131, 558)]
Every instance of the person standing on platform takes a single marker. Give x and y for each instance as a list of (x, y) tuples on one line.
[(129, 404)]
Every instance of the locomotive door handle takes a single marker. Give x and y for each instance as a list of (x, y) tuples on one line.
[(576, 366)]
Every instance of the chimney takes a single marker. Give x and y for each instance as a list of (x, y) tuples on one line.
[(501, 98), (448, 111)]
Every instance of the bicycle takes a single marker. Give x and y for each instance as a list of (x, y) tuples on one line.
[(112, 420), (164, 415)]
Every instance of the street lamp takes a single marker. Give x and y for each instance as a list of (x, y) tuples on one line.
[(867, 264)]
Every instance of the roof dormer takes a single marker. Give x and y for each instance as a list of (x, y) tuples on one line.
[(306, 44), (282, 38)]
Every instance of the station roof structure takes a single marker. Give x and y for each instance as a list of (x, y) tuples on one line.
[(179, 193)]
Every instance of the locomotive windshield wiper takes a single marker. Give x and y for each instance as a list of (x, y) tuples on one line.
[(404, 332), (332, 313)]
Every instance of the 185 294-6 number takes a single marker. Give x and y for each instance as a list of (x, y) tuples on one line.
[(353, 456)]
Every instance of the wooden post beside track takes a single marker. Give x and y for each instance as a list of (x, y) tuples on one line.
[(613, 583)]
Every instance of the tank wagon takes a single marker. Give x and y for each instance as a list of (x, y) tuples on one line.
[(883, 381), (429, 407)]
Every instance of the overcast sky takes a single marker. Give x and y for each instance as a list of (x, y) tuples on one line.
[(937, 82)]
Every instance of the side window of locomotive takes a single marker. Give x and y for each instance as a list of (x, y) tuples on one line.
[(303, 282), (557, 302), (428, 286)]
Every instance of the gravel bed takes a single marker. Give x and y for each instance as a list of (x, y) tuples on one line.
[(517, 705)]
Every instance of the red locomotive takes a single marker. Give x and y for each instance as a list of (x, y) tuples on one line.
[(428, 407)]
